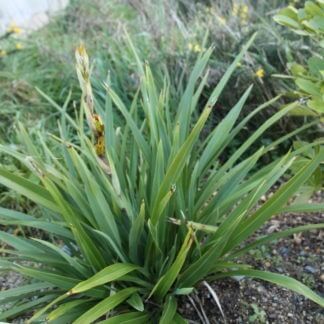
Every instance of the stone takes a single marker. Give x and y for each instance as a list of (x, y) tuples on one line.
[(310, 269)]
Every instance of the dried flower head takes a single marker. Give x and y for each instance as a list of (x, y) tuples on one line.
[(82, 62)]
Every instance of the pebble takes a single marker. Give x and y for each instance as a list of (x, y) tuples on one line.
[(310, 269), (284, 251), (261, 289)]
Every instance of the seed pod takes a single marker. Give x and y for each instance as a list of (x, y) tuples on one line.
[(100, 146)]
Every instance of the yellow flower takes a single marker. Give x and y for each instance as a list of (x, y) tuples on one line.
[(14, 29), (222, 20), (19, 46), (236, 9), (197, 48), (244, 14), (260, 73), (194, 47), (244, 9), (3, 53)]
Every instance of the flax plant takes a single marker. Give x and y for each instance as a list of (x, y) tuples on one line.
[(168, 214)]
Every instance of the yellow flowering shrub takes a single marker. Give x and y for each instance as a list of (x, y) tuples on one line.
[(14, 29)]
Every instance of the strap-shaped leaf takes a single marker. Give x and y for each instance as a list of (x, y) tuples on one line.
[(167, 280), (105, 306), (221, 132), (138, 136), (63, 282), (185, 108), (303, 208), (128, 318), (274, 204), (277, 279), (27, 188), (176, 166), (24, 307), (89, 248), (275, 236), (108, 274), (135, 233), (169, 310), (11, 217), (19, 292), (68, 307)]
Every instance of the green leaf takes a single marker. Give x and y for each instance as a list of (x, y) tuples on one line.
[(184, 291), (178, 319), (136, 302), (220, 134), (169, 310), (24, 307), (27, 188), (63, 282), (278, 279), (21, 291), (275, 203), (167, 280), (87, 245), (184, 110), (130, 121), (303, 208), (176, 166), (105, 306), (221, 84), (67, 307), (135, 233), (108, 274), (44, 309), (308, 86), (128, 318), (275, 236)]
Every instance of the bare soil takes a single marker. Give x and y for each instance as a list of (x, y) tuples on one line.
[(256, 301)]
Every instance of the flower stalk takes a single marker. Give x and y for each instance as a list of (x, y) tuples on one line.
[(94, 120)]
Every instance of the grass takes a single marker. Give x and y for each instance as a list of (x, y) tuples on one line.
[(169, 36)]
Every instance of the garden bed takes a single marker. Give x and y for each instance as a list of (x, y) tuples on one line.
[(256, 301)]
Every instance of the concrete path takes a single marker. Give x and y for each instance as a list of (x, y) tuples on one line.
[(28, 14)]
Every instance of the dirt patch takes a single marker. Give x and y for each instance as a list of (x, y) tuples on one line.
[(255, 301)]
